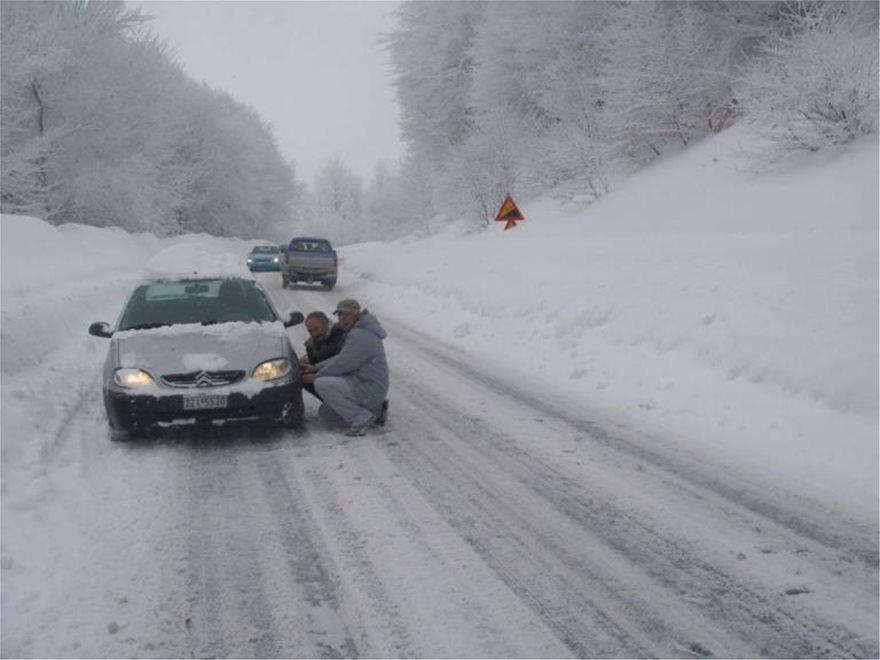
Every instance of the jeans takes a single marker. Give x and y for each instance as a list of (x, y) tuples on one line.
[(340, 405)]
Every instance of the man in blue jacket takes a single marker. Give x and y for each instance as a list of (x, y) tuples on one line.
[(353, 383)]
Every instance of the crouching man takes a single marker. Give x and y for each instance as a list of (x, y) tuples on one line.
[(353, 383), (325, 341)]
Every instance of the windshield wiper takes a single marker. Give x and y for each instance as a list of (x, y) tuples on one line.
[(233, 320), (147, 326)]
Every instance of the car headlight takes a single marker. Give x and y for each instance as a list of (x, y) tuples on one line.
[(131, 378), (250, 259), (272, 369), (276, 259)]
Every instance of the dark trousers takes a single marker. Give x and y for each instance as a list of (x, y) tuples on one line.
[(310, 388)]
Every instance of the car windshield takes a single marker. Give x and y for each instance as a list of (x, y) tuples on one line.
[(205, 301), (265, 249), (309, 246)]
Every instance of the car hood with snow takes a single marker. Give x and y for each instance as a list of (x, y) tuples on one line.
[(194, 347)]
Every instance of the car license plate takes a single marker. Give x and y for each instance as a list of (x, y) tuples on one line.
[(204, 401)]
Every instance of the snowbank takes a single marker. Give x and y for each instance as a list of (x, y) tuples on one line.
[(726, 308)]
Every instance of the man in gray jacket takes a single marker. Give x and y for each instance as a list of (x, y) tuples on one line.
[(353, 383)]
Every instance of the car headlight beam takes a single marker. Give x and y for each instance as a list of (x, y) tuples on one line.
[(272, 369), (132, 378)]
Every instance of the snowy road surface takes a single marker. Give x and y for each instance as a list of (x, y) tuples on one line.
[(483, 521)]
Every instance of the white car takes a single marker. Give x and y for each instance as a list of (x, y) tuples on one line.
[(189, 349)]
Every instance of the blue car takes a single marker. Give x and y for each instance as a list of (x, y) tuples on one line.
[(265, 257)]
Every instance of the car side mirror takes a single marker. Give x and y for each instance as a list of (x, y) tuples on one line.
[(295, 319), (100, 329)]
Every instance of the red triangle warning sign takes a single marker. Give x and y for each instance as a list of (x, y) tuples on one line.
[(508, 211)]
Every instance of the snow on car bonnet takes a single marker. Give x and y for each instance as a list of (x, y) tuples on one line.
[(204, 361)]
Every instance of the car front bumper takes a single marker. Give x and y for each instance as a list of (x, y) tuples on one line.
[(309, 275), (132, 412), (263, 266)]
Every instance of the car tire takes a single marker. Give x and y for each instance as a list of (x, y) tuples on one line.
[(329, 284), (122, 433), (119, 435), (294, 418), (283, 282)]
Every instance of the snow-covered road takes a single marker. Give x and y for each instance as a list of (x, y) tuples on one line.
[(484, 521)]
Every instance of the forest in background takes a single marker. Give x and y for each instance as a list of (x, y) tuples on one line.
[(100, 125)]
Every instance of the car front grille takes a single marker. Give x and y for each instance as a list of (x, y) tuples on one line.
[(202, 378)]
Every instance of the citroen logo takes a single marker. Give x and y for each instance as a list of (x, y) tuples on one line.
[(203, 380)]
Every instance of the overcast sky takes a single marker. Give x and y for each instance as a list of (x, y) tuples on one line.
[(310, 69)]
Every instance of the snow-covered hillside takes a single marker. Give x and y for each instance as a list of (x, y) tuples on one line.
[(723, 307)]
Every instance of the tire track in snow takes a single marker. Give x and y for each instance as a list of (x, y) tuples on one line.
[(785, 628), (853, 538), (391, 536), (493, 515), (306, 566), (375, 622)]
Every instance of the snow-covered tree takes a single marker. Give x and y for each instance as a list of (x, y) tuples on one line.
[(572, 152), (381, 200), (663, 75), (43, 46), (492, 162), (431, 58), (100, 126), (243, 185), (338, 194), (417, 194), (816, 82), (513, 46)]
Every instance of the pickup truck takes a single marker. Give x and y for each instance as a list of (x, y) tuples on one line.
[(310, 260)]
